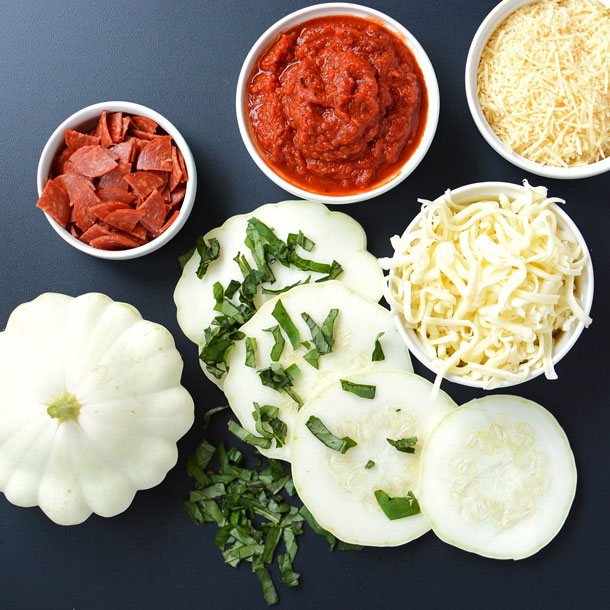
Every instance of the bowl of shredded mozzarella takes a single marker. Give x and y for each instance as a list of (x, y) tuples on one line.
[(537, 85), (490, 285)]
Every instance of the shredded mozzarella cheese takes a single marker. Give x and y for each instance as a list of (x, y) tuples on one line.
[(542, 82), (488, 286)]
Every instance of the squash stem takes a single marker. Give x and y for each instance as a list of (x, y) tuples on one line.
[(64, 407)]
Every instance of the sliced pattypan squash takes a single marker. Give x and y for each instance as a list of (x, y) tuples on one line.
[(91, 406)]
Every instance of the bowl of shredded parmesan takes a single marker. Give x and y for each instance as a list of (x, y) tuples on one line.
[(538, 85), (490, 285)]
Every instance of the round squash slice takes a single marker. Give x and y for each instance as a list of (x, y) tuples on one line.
[(355, 331), (498, 477), (92, 406), (345, 492), (335, 236)]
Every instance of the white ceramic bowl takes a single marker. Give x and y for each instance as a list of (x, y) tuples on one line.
[(84, 120), (584, 289), (486, 29), (325, 10)]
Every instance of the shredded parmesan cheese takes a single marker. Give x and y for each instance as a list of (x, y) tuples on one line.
[(488, 286), (542, 82)]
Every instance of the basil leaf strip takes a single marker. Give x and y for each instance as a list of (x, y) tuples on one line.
[(405, 445), (322, 337), (278, 346), (185, 258), (362, 390), (286, 288), (244, 435), (369, 464), (323, 434), (313, 357), (397, 508), (281, 380), (268, 414), (281, 315), (208, 253), (378, 350), (251, 352)]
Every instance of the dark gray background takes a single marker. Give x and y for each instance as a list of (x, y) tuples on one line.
[(182, 59)]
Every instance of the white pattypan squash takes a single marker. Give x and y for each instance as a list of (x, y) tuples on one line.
[(91, 406)]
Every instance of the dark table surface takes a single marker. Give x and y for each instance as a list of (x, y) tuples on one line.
[(183, 59)]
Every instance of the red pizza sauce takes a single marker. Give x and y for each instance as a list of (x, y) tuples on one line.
[(337, 105)]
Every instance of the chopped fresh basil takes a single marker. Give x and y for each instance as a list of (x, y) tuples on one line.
[(208, 414), (185, 258), (313, 357), (397, 508), (360, 389), (406, 445), (251, 352), (369, 464), (278, 346), (334, 271), (281, 379), (208, 253), (281, 315), (247, 437), (232, 288), (322, 337), (285, 288), (323, 434), (268, 414), (300, 240), (378, 350)]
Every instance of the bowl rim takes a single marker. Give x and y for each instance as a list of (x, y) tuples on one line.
[(87, 115), (483, 189), (488, 26), (323, 10)]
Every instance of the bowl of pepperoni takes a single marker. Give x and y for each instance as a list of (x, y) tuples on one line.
[(116, 180), (337, 103)]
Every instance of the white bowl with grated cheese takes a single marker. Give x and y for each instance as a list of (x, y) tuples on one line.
[(490, 285), (544, 83)]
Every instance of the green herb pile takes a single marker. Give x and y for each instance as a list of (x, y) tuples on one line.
[(251, 509)]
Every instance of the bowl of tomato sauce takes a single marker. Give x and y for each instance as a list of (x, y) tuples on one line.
[(337, 103)]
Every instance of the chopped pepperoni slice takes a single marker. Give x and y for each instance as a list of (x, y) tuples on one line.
[(185, 175), (92, 161), (76, 139), (140, 232), (82, 197), (143, 135), (175, 177), (165, 193), (144, 123), (178, 194), (157, 154), (125, 152), (58, 166), (126, 124), (75, 231), (101, 210), (96, 230), (171, 220), (114, 179), (124, 220), (154, 212), (55, 202), (115, 126), (102, 131), (144, 183), (114, 242), (116, 194)]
